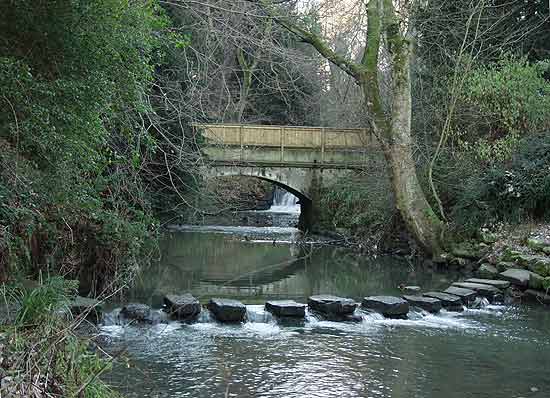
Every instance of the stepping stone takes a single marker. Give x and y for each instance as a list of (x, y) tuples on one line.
[(183, 306), (499, 284), (540, 297), (426, 303), (467, 295), (449, 301), (137, 312), (332, 305), (518, 277), (286, 308), (226, 310), (84, 305), (389, 306), (487, 291), (412, 289), (487, 271)]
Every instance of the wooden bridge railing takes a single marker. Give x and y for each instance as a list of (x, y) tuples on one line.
[(290, 136), (293, 144)]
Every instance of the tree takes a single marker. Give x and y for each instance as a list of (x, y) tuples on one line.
[(240, 68), (391, 123), (75, 77)]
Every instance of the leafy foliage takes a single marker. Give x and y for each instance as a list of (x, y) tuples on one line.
[(361, 203), (508, 100), (74, 76), (508, 191), (40, 302)]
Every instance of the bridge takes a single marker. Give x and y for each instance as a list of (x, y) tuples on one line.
[(298, 159)]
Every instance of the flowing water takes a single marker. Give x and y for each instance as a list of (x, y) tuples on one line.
[(284, 202), (496, 351)]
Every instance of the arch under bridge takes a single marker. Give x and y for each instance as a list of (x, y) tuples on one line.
[(299, 159)]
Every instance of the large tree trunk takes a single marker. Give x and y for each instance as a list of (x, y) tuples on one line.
[(410, 200), (392, 130), (409, 196)]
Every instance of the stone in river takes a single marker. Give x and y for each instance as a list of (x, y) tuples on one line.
[(88, 307), (518, 277), (226, 310), (487, 291), (426, 303), (137, 312), (332, 305), (467, 295), (412, 289), (286, 308), (389, 306), (487, 271), (499, 284), (449, 301), (183, 306), (538, 282)]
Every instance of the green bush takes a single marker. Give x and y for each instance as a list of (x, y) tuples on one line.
[(361, 202), (508, 191), (504, 102), (75, 77), (41, 302), (49, 346)]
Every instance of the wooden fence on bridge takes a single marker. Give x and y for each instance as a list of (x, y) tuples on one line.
[(287, 144)]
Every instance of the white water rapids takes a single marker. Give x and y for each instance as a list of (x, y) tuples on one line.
[(284, 202)]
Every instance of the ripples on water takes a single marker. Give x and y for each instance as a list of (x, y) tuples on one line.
[(450, 354), (491, 352)]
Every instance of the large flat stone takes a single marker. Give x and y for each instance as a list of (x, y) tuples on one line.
[(226, 310), (286, 308), (429, 304), (467, 295), (388, 306), (88, 307), (518, 277), (137, 312), (332, 305), (505, 265), (448, 301), (412, 289), (487, 271), (499, 284), (487, 291), (183, 306)]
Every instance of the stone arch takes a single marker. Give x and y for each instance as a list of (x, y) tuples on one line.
[(289, 179)]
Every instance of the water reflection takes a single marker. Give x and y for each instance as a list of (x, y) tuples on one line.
[(230, 266), (497, 351)]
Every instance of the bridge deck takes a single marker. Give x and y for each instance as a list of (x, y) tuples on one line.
[(288, 145)]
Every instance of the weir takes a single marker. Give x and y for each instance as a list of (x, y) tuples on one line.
[(284, 202)]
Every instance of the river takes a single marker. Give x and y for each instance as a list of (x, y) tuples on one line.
[(496, 351)]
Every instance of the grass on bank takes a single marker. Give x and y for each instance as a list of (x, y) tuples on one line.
[(40, 353)]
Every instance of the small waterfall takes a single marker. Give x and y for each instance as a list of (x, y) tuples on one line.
[(284, 202)]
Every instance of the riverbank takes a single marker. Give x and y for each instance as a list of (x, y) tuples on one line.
[(46, 349)]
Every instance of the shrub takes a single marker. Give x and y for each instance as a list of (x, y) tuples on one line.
[(506, 101), (508, 191), (361, 202), (74, 78)]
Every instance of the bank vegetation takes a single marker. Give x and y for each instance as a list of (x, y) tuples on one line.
[(97, 151)]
